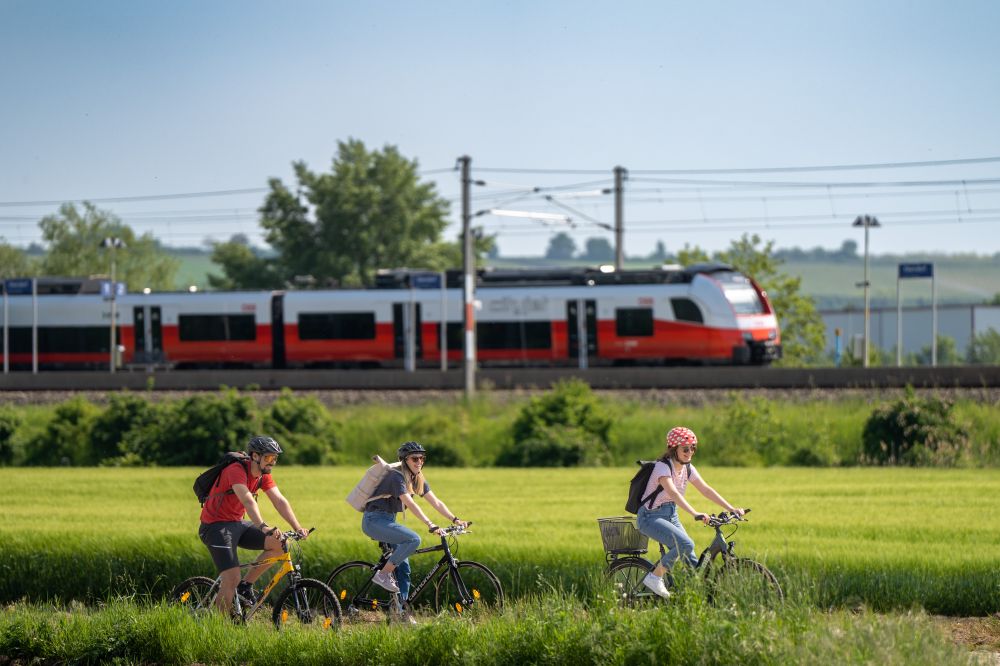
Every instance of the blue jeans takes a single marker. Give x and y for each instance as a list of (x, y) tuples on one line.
[(662, 524), (382, 526)]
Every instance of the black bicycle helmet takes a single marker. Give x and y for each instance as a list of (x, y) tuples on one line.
[(408, 449), (263, 444)]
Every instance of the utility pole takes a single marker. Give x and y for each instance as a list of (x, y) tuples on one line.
[(469, 271), (619, 217), (112, 244), (867, 222)]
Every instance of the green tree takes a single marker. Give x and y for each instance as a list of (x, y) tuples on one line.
[(74, 237), (561, 246), (598, 249), (370, 212), (242, 268), (15, 263), (985, 348), (947, 353)]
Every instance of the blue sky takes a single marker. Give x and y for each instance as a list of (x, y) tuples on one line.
[(121, 99)]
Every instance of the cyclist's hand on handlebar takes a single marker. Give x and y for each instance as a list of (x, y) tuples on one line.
[(739, 511), (461, 523), (703, 517), (303, 533)]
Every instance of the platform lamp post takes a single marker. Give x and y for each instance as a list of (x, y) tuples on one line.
[(868, 222), (112, 244)]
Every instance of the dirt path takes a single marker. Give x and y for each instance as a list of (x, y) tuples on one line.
[(980, 635)]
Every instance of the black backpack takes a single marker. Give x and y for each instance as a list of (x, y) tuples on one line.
[(637, 486), (208, 479)]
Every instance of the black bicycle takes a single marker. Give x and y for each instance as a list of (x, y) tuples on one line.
[(728, 579), (460, 587)]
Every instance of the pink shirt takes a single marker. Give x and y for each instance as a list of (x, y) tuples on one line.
[(680, 476)]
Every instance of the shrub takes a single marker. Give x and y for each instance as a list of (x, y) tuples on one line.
[(303, 427), (914, 431), (199, 429), (985, 348), (66, 438), (567, 426), (10, 420), (121, 433)]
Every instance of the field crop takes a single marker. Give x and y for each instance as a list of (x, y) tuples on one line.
[(878, 538)]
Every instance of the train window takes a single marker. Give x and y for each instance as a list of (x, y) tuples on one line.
[(744, 299), (337, 326), (195, 328), (514, 335), (687, 310), (633, 322), (456, 335), (60, 339)]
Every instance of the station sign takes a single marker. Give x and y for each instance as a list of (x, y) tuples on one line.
[(17, 287), (916, 271), (106, 289)]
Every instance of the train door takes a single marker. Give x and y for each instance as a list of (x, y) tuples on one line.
[(148, 328), (278, 330), (408, 339), (582, 330)]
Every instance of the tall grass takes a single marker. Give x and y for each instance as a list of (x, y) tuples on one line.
[(882, 538), (550, 629)]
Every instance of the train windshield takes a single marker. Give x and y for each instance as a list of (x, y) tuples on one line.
[(739, 292)]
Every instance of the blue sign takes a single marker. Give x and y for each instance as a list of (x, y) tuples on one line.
[(426, 281), (18, 287), (916, 271), (106, 289)]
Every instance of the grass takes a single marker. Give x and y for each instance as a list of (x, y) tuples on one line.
[(549, 629), (887, 539)]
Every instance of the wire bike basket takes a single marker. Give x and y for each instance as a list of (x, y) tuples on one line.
[(621, 537)]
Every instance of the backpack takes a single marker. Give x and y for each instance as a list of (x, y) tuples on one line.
[(210, 477), (361, 495), (637, 486)]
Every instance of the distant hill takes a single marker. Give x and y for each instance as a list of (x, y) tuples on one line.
[(960, 278)]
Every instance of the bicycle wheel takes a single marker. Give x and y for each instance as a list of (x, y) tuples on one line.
[(309, 603), (482, 590), (361, 600), (626, 582), (197, 594), (743, 583)]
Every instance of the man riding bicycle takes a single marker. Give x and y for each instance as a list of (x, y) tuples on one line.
[(223, 528)]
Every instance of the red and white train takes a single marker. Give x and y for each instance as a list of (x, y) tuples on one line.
[(702, 314)]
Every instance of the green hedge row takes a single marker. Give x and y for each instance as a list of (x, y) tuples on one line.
[(568, 426)]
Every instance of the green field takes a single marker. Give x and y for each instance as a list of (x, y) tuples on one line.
[(863, 554), (885, 538)]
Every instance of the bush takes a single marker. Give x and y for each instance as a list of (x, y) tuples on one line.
[(985, 348), (10, 420), (66, 438), (914, 431), (303, 427), (565, 427), (198, 430), (121, 433)]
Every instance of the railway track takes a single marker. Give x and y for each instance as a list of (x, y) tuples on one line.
[(621, 378)]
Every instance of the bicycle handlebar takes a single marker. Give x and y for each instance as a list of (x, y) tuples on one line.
[(295, 536), (455, 530), (725, 518)]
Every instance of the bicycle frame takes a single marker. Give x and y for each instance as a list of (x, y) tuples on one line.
[(287, 568), (447, 560)]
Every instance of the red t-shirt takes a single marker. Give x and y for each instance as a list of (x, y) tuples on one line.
[(227, 507)]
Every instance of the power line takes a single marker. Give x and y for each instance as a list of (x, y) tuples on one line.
[(779, 169), (141, 197)]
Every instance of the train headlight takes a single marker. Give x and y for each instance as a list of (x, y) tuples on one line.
[(747, 336), (772, 335)]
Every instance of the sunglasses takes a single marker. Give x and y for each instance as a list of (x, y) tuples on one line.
[(418, 458), (687, 449), (269, 459)]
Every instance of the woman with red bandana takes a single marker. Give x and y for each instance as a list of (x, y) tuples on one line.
[(657, 517)]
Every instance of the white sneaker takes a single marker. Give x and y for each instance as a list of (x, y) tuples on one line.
[(655, 583), (386, 581)]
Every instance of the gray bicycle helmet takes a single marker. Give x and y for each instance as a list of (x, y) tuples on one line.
[(408, 449), (263, 444)]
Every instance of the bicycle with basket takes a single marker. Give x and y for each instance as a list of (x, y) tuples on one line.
[(728, 578)]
